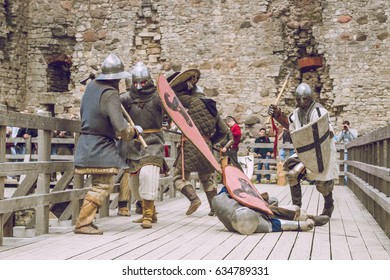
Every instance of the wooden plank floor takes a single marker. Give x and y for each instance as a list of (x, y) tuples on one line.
[(352, 234)]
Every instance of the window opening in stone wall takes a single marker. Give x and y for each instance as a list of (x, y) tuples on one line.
[(58, 73)]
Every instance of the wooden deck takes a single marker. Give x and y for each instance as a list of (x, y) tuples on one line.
[(352, 234)]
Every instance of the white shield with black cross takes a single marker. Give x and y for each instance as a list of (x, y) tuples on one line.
[(312, 144)]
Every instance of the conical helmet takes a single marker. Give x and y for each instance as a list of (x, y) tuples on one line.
[(303, 90), (113, 69), (141, 77), (304, 95)]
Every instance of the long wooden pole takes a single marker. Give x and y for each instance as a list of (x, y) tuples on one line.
[(127, 116), (280, 93)]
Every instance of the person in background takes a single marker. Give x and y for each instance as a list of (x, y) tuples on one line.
[(346, 135), (233, 141), (264, 153), (286, 139)]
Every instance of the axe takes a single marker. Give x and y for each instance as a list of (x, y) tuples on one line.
[(91, 76), (280, 93)]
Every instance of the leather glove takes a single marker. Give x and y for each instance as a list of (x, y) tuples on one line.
[(130, 132), (273, 110)]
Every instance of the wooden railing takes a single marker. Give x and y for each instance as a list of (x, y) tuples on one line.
[(35, 190), (369, 173), (273, 162)]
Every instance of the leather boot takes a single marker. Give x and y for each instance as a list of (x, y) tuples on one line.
[(210, 195), (149, 210), (123, 210), (319, 220), (84, 224), (190, 193), (154, 217), (328, 205), (296, 195)]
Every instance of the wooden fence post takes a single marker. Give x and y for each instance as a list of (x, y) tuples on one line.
[(43, 183)]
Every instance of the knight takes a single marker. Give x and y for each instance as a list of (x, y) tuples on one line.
[(206, 118), (144, 106), (312, 136), (102, 123)]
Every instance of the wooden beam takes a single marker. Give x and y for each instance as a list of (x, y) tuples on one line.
[(32, 201)]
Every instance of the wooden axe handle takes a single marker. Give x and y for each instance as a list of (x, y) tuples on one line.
[(127, 116), (280, 93)]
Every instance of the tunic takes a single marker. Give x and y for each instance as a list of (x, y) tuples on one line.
[(96, 147)]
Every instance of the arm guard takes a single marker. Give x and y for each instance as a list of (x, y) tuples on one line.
[(282, 119)]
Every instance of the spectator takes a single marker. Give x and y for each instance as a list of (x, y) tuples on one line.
[(264, 153), (347, 134), (286, 139), (234, 138)]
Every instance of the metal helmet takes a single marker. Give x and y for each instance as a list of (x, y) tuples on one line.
[(303, 95), (140, 75), (112, 69)]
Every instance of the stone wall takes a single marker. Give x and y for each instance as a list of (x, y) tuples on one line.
[(244, 49), (354, 40)]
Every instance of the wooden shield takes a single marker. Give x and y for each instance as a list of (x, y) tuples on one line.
[(180, 117), (241, 189), (312, 144)]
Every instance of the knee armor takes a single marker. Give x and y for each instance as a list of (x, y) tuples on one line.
[(294, 174)]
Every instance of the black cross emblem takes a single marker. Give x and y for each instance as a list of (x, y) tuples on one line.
[(316, 145)]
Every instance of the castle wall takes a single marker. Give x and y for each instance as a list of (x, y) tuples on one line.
[(244, 50)]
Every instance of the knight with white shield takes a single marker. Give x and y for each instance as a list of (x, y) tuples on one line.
[(312, 137)]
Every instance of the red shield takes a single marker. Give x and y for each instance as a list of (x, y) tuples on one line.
[(241, 189), (180, 117)]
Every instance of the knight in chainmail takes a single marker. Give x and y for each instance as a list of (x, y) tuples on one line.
[(96, 154), (244, 220), (308, 111), (204, 114), (144, 106)]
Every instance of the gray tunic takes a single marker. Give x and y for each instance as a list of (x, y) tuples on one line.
[(96, 146)]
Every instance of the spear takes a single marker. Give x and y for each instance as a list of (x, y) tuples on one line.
[(280, 93), (128, 118)]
